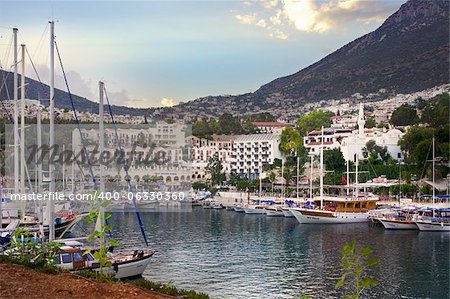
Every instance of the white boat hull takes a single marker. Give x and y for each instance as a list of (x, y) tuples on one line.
[(254, 211), (434, 226), (308, 216), (395, 224), (274, 213), (288, 214), (239, 210), (132, 269)]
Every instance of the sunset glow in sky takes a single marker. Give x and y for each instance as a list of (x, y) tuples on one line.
[(154, 53)]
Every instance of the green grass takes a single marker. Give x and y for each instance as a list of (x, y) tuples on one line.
[(168, 289)]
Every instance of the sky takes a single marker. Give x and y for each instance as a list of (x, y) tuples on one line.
[(160, 53)]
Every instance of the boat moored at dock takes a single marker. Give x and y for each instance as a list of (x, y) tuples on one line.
[(335, 210), (274, 211)]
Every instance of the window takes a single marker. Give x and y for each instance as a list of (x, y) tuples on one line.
[(77, 257), (57, 259), (66, 258)]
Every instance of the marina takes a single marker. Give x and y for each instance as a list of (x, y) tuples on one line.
[(299, 189), (236, 255)]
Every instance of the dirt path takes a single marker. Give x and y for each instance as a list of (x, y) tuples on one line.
[(20, 282)]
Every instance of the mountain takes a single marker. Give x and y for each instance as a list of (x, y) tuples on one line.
[(409, 52), (39, 91)]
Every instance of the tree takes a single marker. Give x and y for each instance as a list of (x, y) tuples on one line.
[(404, 115), (199, 186), (202, 129), (410, 141), (420, 103), (290, 142), (229, 124), (370, 122), (374, 152), (334, 160), (436, 112), (272, 178), (313, 121), (214, 168)]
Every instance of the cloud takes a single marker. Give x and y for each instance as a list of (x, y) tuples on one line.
[(270, 3), (313, 16), (275, 33), (261, 23), (88, 88), (77, 84), (168, 102), (247, 19)]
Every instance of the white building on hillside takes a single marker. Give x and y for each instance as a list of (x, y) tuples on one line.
[(250, 152), (204, 149), (352, 142), (332, 138), (269, 127)]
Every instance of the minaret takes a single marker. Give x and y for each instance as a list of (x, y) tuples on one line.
[(361, 121)]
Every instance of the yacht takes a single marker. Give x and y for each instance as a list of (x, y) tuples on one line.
[(440, 221), (274, 211), (335, 210), (255, 209), (404, 218), (287, 213), (434, 225), (239, 209)]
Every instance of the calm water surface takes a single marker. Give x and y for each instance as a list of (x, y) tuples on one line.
[(231, 255)]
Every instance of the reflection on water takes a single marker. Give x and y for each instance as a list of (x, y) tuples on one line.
[(227, 254)]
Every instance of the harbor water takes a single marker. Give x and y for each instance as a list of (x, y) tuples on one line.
[(233, 255)]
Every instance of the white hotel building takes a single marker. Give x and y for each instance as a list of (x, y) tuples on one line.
[(250, 152), (204, 149)]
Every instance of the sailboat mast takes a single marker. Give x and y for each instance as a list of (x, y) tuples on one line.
[(101, 138), (51, 222), (16, 117), (434, 175), (356, 176), (311, 178), (282, 177), (298, 171), (39, 167), (22, 132), (347, 162), (321, 170)]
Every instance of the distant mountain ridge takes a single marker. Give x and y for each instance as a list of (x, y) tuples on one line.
[(39, 91), (411, 46), (409, 52)]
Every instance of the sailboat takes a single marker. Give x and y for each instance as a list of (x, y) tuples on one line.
[(73, 256), (440, 222), (336, 210)]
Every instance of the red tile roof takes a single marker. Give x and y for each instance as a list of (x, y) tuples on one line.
[(269, 124)]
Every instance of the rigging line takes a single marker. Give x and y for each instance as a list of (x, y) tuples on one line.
[(127, 178), (40, 43), (426, 160), (8, 52), (4, 81), (76, 117), (4, 84), (77, 122), (32, 64)]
